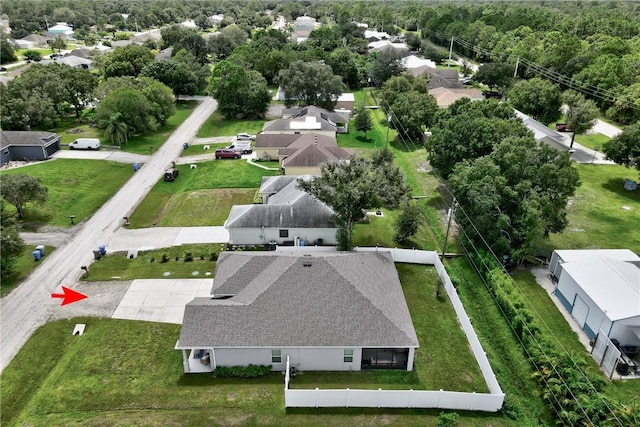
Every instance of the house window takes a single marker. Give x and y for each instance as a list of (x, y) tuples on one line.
[(284, 233), (276, 356), (348, 356)]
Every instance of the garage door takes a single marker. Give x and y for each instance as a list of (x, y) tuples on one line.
[(580, 311)]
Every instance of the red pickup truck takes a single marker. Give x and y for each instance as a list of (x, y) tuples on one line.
[(562, 127)]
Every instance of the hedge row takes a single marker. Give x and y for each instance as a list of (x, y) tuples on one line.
[(251, 371), (575, 399)]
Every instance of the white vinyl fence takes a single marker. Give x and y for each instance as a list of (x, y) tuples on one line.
[(440, 399)]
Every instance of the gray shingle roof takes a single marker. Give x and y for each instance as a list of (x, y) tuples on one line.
[(313, 155), (10, 137), (274, 140), (341, 299), (287, 207)]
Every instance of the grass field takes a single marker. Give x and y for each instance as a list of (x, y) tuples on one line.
[(24, 265), (76, 187), (116, 266), (217, 126), (602, 214), (201, 196), (592, 140), (127, 373)]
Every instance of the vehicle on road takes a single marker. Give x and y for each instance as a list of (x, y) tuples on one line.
[(245, 137), (466, 81), (492, 94), (562, 127), (225, 153), (245, 147), (85, 144), (171, 174)]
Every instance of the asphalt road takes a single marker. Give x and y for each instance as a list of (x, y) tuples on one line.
[(30, 305)]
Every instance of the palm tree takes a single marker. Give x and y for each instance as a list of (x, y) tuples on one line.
[(116, 129)]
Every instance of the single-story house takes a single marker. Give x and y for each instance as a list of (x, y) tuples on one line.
[(216, 19), (164, 54), (346, 101), (141, 37), (302, 27), (20, 145), (445, 97), (61, 29), (287, 215), (374, 36), (387, 45), (309, 119), (326, 311), (73, 61), (37, 39), (25, 44), (542, 133), (307, 154), (81, 53), (267, 144), (414, 62), (601, 290)]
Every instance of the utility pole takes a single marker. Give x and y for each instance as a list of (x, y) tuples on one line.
[(515, 73), (452, 211), (450, 52), (386, 142)]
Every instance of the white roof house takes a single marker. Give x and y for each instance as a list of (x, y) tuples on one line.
[(541, 133), (601, 290), (414, 61), (60, 29)]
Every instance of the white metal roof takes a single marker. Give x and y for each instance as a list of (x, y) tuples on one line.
[(613, 284)]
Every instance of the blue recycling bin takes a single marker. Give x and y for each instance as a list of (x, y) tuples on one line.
[(136, 166), (37, 255), (185, 145), (102, 249)]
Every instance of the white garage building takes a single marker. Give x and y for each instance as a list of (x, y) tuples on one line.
[(601, 290)]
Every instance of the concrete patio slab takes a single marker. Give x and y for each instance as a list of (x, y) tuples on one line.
[(160, 300), (216, 234)]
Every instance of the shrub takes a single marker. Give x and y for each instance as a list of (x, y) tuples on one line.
[(188, 257), (447, 419), (251, 371)]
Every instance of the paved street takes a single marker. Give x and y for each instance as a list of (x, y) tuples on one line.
[(31, 305)]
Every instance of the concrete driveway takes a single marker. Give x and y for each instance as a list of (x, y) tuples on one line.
[(126, 239), (30, 305), (115, 156), (162, 300)]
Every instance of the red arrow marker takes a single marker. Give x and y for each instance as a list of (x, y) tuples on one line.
[(68, 296)]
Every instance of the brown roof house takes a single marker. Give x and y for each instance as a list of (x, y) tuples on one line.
[(21, 145), (325, 311), (286, 216), (445, 97)]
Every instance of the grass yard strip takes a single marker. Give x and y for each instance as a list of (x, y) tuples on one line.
[(601, 212), (216, 125), (197, 150), (24, 265), (190, 201), (592, 140), (149, 143), (83, 131), (116, 266), (76, 187)]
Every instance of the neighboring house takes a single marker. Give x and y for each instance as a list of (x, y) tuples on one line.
[(37, 39), (374, 36), (268, 144), (307, 154), (80, 53), (302, 27), (141, 37), (601, 290), (416, 65), (542, 133), (188, 24), (21, 145), (215, 19), (445, 97), (71, 61), (309, 119), (287, 215), (331, 311), (24, 44), (61, 29), (388, 45), (120, 43), (346, 101)]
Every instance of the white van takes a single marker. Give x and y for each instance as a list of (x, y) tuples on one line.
[(245, 147), (85, 144)]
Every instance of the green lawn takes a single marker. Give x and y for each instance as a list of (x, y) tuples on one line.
[(592, 140), (85, 131), (127, 373), (76, 187), (602, 214), (217, 126), (116, 266), (146, 144), (201, 196), (24, 265), (196, 150)]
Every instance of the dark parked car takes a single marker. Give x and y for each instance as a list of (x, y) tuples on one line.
[(562, 127), (225, 153), (171, 174), (492, 94)]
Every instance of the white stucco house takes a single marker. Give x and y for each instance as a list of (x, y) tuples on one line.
[(61, 29), (601, 290), (287, 215), (329, 311)]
